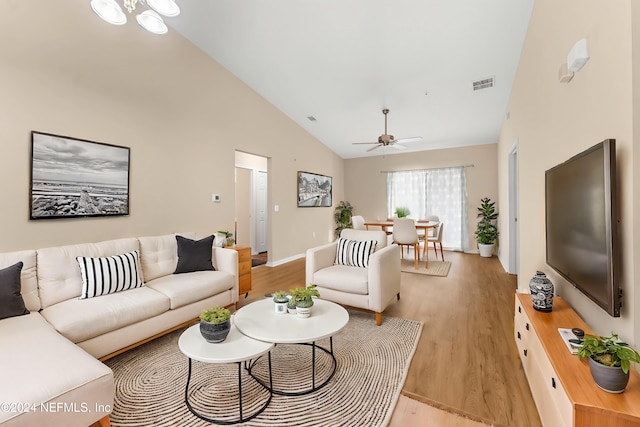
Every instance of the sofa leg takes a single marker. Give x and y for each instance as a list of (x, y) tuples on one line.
[(378, 318)]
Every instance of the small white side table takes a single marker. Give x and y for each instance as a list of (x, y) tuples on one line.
[(236, 348)]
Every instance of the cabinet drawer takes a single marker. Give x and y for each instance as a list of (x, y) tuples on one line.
[(244, 284), (244, 268)]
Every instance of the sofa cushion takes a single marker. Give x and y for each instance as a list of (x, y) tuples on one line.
[(108, 275), (194, 255), (11, 302), (58, 272), (159, 255), (48, 368), (28, 279), (343, 278), (354, 253), (82, 319), (183, 289)]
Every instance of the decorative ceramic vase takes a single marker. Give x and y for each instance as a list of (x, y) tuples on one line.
[(541, 290), (215, 332), (609, 378)]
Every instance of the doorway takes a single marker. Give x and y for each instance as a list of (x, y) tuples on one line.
[(251, 202)]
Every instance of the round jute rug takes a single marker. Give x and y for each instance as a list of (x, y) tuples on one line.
[(372, 365)]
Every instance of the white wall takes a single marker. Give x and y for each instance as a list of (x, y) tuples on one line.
[(554, 121)]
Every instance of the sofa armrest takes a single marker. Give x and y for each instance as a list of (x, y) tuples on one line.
[(318, 258), (227, 260), (384, 277)]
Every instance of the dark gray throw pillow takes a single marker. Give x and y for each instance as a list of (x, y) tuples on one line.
[(194, 255), (11, 302)]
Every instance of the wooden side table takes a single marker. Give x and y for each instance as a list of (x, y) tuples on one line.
[(244, 269)]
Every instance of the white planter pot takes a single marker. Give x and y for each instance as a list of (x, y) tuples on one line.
[(280, 307), (485, 250), (303, 311)]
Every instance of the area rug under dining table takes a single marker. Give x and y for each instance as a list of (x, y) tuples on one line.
[(372, 366)]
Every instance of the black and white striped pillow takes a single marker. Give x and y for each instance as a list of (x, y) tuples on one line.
[(107, 275), (354, 253)]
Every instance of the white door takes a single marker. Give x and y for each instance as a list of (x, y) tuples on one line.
[(261, 212)]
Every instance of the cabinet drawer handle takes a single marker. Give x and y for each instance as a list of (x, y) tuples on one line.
[(526, 326), (519, 337), (525, 352), (519, 309), (553, 382)]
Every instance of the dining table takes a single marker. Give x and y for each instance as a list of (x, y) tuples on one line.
[(420, 225)]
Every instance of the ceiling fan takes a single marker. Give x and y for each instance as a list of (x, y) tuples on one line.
[(386, 140)]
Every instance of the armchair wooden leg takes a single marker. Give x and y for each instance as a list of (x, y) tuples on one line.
[(378, 318), (102, 422)]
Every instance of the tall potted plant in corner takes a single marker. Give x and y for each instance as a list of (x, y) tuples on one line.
[(343, 213), (486, 231)]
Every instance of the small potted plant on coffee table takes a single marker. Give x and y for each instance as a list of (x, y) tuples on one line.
[(304, 300), (609, 361), (280, 302), (291, 305), (215, 324)]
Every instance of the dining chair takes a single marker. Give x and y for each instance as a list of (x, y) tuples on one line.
[(358, 222), (405, 234), (437, 239)]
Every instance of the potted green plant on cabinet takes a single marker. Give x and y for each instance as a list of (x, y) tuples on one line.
[(304, 299), (609, 361), (215, 324), (486, 231), (343, 213)]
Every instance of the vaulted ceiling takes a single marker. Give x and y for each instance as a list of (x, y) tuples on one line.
[(332, 66)]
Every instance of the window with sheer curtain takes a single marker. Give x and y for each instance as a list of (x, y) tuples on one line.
[(441, 192)]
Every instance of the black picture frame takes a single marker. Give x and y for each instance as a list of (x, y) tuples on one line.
[(77, 178), (314, 190)]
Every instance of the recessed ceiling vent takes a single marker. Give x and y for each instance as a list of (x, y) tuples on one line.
[(311, 118), (483, 84)]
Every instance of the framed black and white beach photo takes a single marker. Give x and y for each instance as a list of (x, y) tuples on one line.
[(73, 178), (313, 190)]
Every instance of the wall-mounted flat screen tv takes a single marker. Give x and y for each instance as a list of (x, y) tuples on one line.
[(581, 224)]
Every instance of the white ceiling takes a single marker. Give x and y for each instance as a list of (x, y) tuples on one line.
[(343, 61)]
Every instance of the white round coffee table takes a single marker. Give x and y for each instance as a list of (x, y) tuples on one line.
[(236, 348), (259, 321)]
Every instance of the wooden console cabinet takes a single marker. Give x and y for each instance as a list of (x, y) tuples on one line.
[(561, 383), (244, 269)]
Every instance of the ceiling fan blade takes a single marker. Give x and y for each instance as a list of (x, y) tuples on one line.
[(373, 148), (365, 143), (410, 139), (398, 146)]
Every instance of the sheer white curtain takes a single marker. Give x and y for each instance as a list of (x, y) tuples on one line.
[(441, 192)]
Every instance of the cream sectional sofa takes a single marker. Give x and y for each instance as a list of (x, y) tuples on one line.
[(51, 375)]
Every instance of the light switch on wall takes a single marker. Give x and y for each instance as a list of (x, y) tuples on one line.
[(215, 198), (276, 208)]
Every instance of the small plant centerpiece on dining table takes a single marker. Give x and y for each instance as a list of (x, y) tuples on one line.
[(280, 301), (609, 361), (304, 299), (402, 212), (215, 324)]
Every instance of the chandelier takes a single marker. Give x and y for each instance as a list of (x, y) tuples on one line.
[(149, 19)]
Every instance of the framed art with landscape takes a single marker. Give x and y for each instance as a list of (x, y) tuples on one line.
[(313, 190), (73, 178)]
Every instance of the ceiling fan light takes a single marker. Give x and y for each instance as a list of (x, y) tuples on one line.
[(165, 7), (109, 11), (152, 22)]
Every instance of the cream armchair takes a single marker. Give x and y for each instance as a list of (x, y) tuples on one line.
[(370, 288)]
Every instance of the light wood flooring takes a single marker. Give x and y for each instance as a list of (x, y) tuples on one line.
[(466, 367)]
